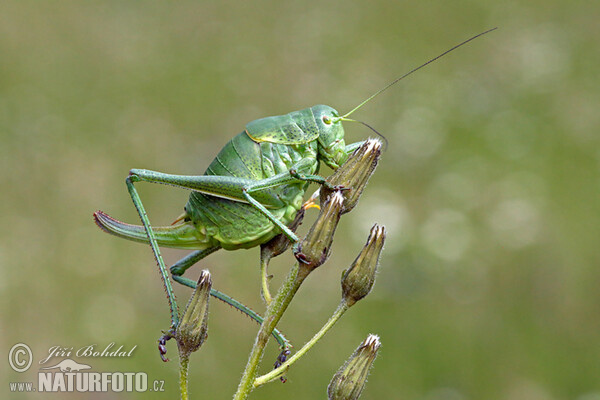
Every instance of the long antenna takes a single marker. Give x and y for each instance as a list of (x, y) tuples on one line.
[(414, 70)]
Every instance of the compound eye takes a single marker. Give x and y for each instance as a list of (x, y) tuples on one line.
[(326, 120)]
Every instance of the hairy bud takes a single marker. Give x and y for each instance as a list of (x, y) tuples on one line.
[(355, 173), (349, 381), (192, 329), (315, 248), (358, 280)]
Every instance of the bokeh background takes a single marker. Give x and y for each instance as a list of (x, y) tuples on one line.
[(489, 283)]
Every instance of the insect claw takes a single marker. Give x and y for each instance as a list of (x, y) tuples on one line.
[(162, 348), (302, 258), (163, 351), (336, 188), (280, 360)]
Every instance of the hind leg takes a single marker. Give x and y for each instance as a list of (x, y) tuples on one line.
[(182, 265)]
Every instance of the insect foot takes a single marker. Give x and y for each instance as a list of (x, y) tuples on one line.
[(355, 173), (314, 250), (162, 345), (349, 381), (285, 353)]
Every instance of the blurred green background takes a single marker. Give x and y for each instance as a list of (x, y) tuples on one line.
[(489, 283)]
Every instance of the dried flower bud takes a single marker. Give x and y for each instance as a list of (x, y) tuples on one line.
[(192, 329), (358, 280), (355, 173), (315, 248), (349, 381)]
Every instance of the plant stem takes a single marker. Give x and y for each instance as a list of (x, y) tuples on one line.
[(264, 263), (276, 373), (184, 360), (272, 316)]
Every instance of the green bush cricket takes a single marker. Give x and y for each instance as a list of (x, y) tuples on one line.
[(249, 194)]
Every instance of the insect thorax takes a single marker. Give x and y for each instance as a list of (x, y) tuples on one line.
[(233, 224)]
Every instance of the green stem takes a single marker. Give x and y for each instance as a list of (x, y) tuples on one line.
[(271, 318), (184, 360), (276, 373), (264, 264)]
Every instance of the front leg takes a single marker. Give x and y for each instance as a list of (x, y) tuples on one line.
[(318, 179)]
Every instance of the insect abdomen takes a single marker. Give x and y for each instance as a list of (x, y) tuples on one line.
[(233, 224), (241, 157)]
